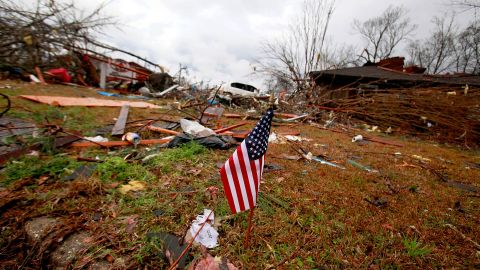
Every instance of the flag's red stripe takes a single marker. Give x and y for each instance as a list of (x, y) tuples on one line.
[(244, 173), (226, 187), (254, 168), (237, 185)]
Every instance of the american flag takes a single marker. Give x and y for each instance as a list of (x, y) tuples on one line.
[(242, 172)]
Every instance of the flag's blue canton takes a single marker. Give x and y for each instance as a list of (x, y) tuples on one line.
[(257, 140)]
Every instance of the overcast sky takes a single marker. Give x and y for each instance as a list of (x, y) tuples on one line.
[(218, 40)]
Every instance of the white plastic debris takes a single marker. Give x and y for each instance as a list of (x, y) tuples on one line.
[(296, 138), (293, 138), (208, 236), (96, 139), (357, 138), (195, 129), (272, 137), (34, 79), (373, 129), (144, 91), (34, 153)]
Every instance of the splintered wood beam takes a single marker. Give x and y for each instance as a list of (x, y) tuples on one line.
[(221, 130), (162, 130), (40, 75), (119, 127)]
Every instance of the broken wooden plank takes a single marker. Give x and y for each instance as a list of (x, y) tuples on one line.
[(244, 134), (285, 115), (222, 130), (232, 115), (88, 102), (119, 143), (119, 127), (40, 75), (162, 130)]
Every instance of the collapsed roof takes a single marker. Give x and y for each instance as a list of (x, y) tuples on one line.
[(386, 78)]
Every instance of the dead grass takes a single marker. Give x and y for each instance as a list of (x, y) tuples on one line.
[(309, 216)]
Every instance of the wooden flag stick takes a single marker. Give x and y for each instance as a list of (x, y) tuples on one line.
[(249, 229)]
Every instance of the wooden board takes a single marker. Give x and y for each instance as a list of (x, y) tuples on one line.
[(119, 127), (87, 102)]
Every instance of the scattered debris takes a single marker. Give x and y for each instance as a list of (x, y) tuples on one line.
[(379, 202), (172, 248), (360, 166), (132, 138), (322, 161), (208, 235), (195, 129), (96, 139), (423, 159), (88, 102), (83, 171), (119, 127), (208, 262), (357, 138), (271, 167), (133, 185)]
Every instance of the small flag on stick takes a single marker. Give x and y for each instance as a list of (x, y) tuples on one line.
[(242, 172)]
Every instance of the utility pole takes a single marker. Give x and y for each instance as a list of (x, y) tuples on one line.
[(180, 72)]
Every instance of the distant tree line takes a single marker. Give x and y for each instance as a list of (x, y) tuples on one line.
[(305, 46)]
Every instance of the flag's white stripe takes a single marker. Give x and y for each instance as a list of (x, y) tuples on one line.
[(231, 184), (238, 169), (262, 164), (257, 165), (249, 173)]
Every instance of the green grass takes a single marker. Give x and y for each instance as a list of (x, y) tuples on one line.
[(191, 151), (35, 167), (116, 169), (153, 247), (168, 160), (414, 248), (71, 118)]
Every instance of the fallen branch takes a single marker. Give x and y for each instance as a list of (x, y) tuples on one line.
[(463, 235)]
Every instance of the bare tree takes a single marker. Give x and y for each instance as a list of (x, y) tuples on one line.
[(341, 56), (467, 4), (436, 53), (302, 48), (467, 49), (34, 36), (384, 33)]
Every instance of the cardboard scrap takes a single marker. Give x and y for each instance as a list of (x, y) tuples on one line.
[(88, 102)]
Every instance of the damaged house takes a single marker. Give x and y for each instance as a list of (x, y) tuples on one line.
[(386, 74)]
